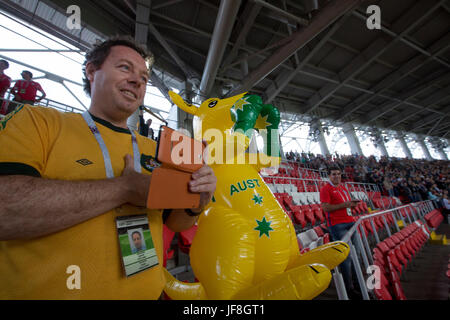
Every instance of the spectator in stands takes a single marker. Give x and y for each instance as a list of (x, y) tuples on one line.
[(422, 190), (415, 191), (434, 188), (405, 192), (303, 158), (25, 91), (388, 186), (337, 202), (396, 188), (144, 126), (445, 206), (64, 194), (432, 196), (5, 81), (420, 175)]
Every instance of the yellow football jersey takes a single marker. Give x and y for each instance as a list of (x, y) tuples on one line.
[(54, 145)]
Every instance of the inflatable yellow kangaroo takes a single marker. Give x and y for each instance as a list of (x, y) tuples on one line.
[(245, 246)]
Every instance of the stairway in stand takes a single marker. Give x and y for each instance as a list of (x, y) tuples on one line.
[(428, 279)]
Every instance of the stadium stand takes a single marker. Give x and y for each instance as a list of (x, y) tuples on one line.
[(392, 256), (395, 231), (434, 219)]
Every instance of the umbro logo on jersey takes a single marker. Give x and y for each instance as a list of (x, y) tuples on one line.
[(84, 162)]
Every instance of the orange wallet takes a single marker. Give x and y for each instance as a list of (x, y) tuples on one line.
[(179, 151), (169, 189), (180, 156)]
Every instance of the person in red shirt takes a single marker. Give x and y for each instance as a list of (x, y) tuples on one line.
[(337, 203), (25, 91), (5, 82)]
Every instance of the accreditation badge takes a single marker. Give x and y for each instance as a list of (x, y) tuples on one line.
[(136, 244)]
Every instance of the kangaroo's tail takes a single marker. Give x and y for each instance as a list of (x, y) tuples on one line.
[(178, 290)]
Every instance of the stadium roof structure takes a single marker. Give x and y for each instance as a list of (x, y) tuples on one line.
[(313, 59)]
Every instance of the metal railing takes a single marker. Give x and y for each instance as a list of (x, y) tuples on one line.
[(363, 251), (351, 186), (320, 173), (5, 102)]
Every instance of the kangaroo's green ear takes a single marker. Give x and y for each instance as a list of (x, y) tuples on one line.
[(182, 104)]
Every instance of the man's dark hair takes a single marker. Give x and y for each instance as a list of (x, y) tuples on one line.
[(6, 63), (29, 73), (100, 52), (333, 168)]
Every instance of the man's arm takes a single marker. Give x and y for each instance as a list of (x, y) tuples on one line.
[(14, 89), (34, 207), (178, 220), (5, 86), (43, 94), (333, 207)]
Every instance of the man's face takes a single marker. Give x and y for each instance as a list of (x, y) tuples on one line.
[(137, 240), (3, 66), (120, 82), (335, 177), (26, 75)]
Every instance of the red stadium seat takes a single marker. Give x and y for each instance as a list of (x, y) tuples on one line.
[(406, 253), (326, 238), (383, 248), (299, 217), (368, 226), (318, 212), (400, 256), (309, 214), (398, 291), (379, 224), (378, 256), (390, 243), (382, 293), (393, 261), (434, 219), (319, 231)]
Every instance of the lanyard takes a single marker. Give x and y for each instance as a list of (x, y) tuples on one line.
[(24, 84), (344, 198), (106, 158)]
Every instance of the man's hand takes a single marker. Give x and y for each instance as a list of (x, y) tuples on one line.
[(203, 182), (351, 204), (136, 184)]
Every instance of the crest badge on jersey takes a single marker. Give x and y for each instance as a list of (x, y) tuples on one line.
[(149, 163)]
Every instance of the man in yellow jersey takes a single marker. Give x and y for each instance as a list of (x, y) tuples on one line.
[(68, 181)]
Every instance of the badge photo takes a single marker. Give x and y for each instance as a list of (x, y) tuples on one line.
[(137, 250)]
